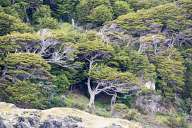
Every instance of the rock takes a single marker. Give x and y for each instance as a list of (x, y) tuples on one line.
[(6, 105), (151, 103), (5, 124), (67, 122), (13, 117), (150, 85), (2, 125), (114, 126)]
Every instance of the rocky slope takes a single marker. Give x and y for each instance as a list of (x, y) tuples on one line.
[(13, 117)]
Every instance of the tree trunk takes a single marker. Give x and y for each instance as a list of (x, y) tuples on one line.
[(91, 105), (113, 101)]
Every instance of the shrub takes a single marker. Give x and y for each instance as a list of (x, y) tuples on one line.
[(76, 101), (62, 83), (56, 101), (10, 23), (173, 120), (177, 121), (120, 8), (27, 59), (122, 111), (48, 22), (101, 14), (26, 94)]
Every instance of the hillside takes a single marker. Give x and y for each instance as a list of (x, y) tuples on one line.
[(117, 59)]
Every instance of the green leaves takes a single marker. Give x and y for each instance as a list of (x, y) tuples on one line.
[(10, 23), (27, 59), (168, 14), (135, 63), (101, 14), (103, 72), (91, 46), (170, 71), (27, 94), (121, 8)]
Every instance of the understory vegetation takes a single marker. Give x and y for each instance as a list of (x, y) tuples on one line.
[(114, 58)]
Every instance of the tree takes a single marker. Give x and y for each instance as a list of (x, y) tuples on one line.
[(25, 66), (145, 4), (5, 3), (62, 83), (110, 81), (187, 54), (101, 14), (26, 95), (10, 23), (42, 18), (120, 8), (26, 80), (163, 17), (134, 62), (47, 22), (65, 9), (151, 42), (98, 11), (92, 50), (170, 74)]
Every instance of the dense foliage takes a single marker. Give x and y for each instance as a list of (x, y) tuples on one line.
[(119, 48)]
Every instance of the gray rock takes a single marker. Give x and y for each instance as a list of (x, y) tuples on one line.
[(2, 125), (151, 104), (114, 126), (67, 122)]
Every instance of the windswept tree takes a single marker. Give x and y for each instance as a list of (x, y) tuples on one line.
[(26, 80), (134, 62), (110, 81), (55, 51), (93, 50)]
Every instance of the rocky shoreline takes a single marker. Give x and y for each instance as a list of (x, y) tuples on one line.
[(13, 117)]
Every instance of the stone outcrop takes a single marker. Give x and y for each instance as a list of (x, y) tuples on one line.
[(151, 103), (13, 117)]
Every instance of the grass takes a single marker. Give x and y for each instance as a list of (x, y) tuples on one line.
[(74, 100)]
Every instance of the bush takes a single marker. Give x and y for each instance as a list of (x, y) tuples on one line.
[(173, 120), (5, 3), (62, 83), (121, 7), (48, 22), (56, 101), (10, 24), (26, 94), (101, 14), (27, 59), (76, 101), (102, 108), (122, 111), (176, 121)]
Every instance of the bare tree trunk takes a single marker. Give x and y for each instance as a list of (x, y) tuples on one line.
[(113, 101), (91, 105)]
